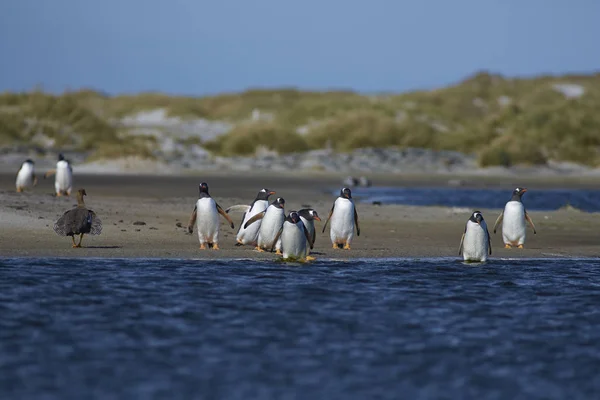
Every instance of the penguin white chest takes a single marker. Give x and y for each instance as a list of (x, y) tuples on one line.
[(207, 219), (310, 226), (25, 176), (250, 234), (63, 180), (513, 223), (270, 226), (293, 240), (342, 221), (475, 244)]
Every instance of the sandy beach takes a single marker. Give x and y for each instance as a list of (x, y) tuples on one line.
[(163, 202)]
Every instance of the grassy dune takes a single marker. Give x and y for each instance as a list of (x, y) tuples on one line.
[(504, 121)]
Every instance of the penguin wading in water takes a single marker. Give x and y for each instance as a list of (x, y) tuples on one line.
[(343, 218), (475, 243), (295, 239), (63, 180), (249, 236), (272, 221), (513, 220), (26, 176), (206, 216), (308, 217)]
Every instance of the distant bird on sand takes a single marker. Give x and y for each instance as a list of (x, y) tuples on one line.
[(26, 176), (64, 176), (513, 219), (206, 218), (78, 221)]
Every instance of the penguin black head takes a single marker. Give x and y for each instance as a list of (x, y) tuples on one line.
[(346, 193), (294, 217), (61, 157), (264, 194), (279, 202), (518, 193), (203, 188), (29, 161), (476, 217), (309, 214)]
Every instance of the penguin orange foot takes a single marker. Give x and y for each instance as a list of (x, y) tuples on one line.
[(507, 246), (347, 246), (215, 246), (202, 247), (520, 246), (278, 252), (259, 249)]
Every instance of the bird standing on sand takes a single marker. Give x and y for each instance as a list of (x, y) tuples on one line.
[(206, 217), (249, 236), (343, 218), (295, 239), (26, 176), (78, 221), (272, 220), (308, 217), (63, 180), (475, 243), (513, 220)]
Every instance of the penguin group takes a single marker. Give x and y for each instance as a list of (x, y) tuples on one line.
[(268, 227), (476, 243)]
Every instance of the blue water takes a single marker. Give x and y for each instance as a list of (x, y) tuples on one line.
[(538, 199), (244, 329)]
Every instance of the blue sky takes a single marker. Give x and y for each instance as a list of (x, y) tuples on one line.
[(203, 47)]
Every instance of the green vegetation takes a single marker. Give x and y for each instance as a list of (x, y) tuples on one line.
[(503, 121)]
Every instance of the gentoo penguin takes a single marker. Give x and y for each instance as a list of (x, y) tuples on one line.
[(249, 236), (26, 176), (272, 220), (206, 216), (343, 217), (295, 238), (475, 243), (64, 176), (308, 217), (513, 220), (78, 221)]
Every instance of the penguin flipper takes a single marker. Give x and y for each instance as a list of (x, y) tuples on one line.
[(192, 220), (356, 222), (238, 208), (528, 218), (49, 173), (308, 237), (498, 220), (220, 210), (489, 241), (462, 239), (254, 219), (277, 238), (328, 218)]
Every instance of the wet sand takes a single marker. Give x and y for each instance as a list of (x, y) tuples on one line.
[(162, 202)]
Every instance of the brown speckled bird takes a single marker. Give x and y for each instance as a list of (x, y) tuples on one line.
[(78, 221)]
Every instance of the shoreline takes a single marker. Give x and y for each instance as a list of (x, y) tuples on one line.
[(161, 202)]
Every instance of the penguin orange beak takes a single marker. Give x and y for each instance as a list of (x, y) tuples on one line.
[(523, 190), (271, 192), (317, 218)]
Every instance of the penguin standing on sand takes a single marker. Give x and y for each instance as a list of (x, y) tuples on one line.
[(249, 236), (475, 243), (308, 217), (63, 180), (272, 220), (206, 216), (295, 239), (26, 176), (343, 218), (513, 220)]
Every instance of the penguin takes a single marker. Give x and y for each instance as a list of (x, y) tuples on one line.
[(249, 236), (272, 220), (206, 216), (344, 218), (63, 181), (475, 243), (513, 220), (295, 239), (308, 217), (26, 176)]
